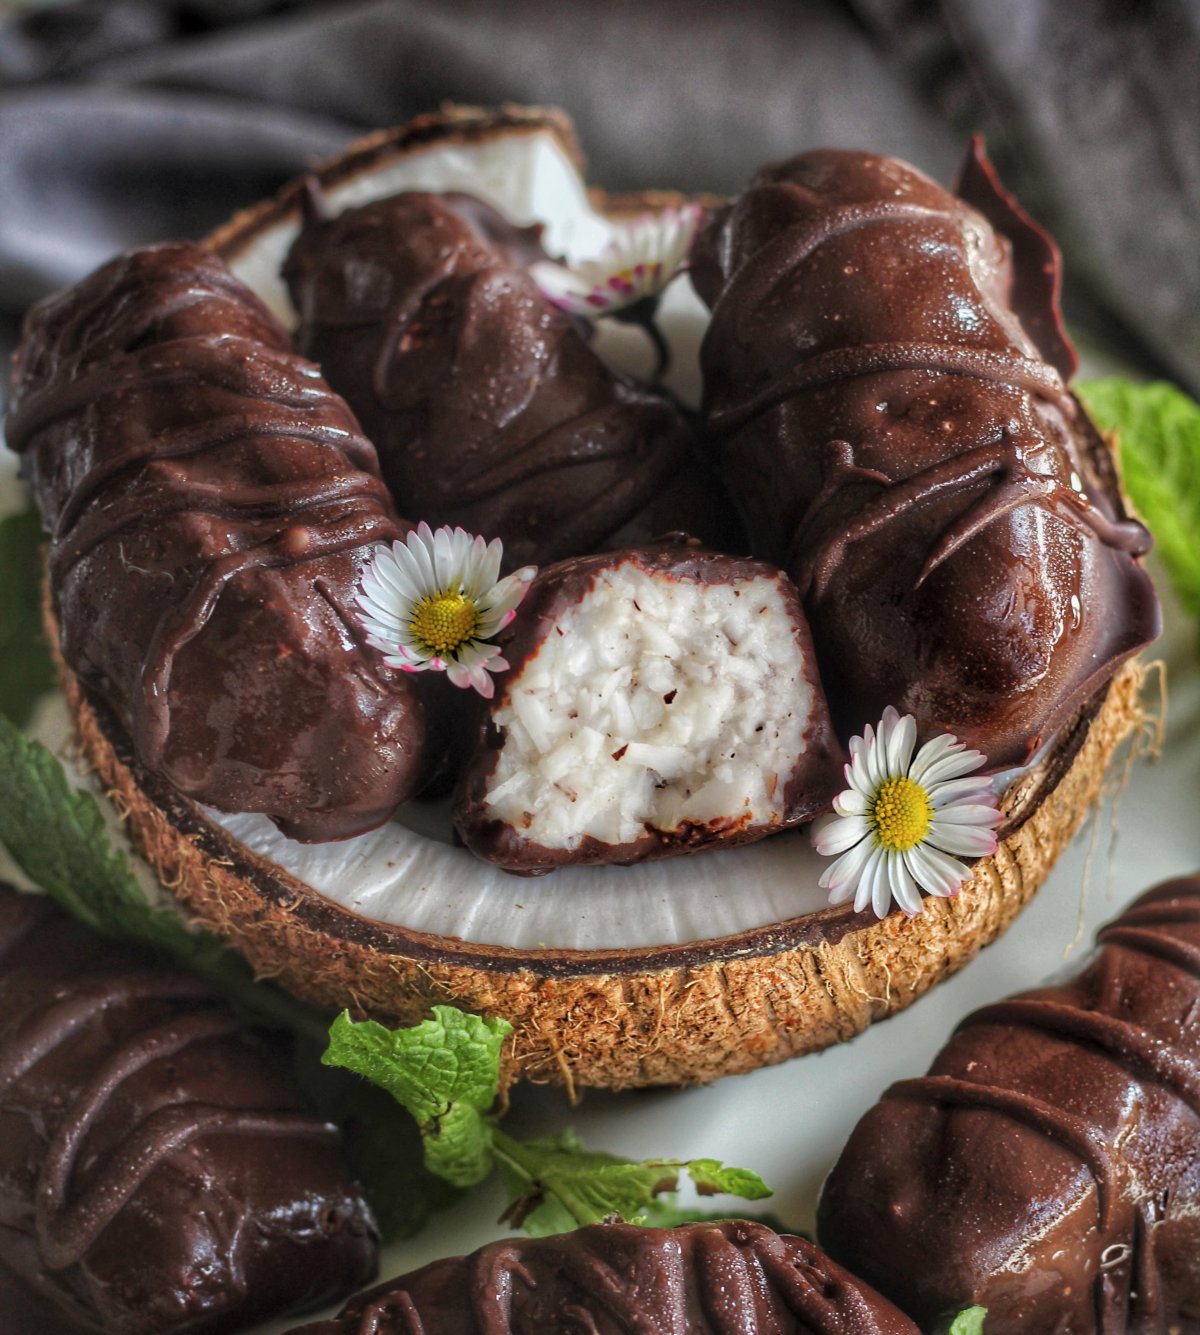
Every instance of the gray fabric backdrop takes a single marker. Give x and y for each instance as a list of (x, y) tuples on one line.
[(133, 120)]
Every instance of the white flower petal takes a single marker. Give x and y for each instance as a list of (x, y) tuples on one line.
[(874, 884), (964, 841), (935, 872), (839, 834), (958, 790), (901, 738), (846, 873), (966, 813), (851, 802), (951, 764), (902, 888)]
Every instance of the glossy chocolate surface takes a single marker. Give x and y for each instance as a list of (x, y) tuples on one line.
[(808, 789), (158, 1173), (210, 504), (1048, 1166), (486, 404), (612, 1279), (900, 444)]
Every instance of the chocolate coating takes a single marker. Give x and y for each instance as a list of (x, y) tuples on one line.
[(609, 1279), (808, 789), (487, 406), (157, 1171), (900, 447), (211, 504), (1048, 1166)]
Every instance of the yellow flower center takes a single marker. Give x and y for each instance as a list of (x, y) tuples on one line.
[(900, 814), (443, 622)]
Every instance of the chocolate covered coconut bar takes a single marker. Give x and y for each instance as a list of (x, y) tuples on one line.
[(210, 504), (158, 1173), (660, 701), (487, 406), (884, 374), (1048, 1166), (701, 1279)]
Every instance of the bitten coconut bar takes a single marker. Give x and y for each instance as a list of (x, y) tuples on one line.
[(158, 1172), (701, 1279), (211, 505), (660, 701), (487, 406), (1048, 1166), (884, 374)]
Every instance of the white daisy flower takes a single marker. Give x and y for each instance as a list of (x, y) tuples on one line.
[(434, 601), (904, 823), (640, 260)]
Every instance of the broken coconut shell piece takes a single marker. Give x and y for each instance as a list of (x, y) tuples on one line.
[(1048, 1166), (700, 1279), (158, 1171), (488, 407), (660, 701)]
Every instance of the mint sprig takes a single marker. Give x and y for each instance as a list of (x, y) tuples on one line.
[(28, 672), (446, 1072), (968, 1322), (1158, 437)]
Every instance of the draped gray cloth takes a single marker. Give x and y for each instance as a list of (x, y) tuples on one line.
[(125, 121)]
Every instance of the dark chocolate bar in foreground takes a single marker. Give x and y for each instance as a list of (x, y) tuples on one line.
[(1048, 1166), (612, 1279), (158, 1173)]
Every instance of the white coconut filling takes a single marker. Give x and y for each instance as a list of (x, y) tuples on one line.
[(654, 704)]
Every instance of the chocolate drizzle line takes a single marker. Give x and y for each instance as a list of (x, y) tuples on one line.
[(133, 1198), (67, 1231), (733, 1278), (1043, 1117)]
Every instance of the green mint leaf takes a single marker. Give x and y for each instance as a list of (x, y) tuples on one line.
[(555, 1184), (712, 1178), (445, 1071), (380, 1141), (664, 1212), (1158, 431), (26, 669), (57, 836), (969, 1322)]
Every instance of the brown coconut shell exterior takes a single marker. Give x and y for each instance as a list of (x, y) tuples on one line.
[(675, 1015), (672, 1015)]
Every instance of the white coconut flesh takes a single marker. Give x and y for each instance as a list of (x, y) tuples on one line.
[(654, 703), (408, 873)]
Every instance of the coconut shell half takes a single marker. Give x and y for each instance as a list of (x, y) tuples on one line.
[(670, 973)]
